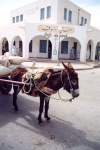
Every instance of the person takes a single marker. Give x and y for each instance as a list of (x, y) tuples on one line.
[(3, 50), (49, 53), (99, 54), (14, 51), (88, 54), (72, 53)]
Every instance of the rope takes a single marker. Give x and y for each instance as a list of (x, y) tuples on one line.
[(65, 100), (30, 83)]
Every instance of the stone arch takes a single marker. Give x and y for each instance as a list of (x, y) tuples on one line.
[(35, 47), (4, 45), (17, 46), (72, 42)]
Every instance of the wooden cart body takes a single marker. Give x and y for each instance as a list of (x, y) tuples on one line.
[(6, 84)]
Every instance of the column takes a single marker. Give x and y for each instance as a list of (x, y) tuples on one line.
[(83, 52), (55, 47), (25, 49), (10, 48)]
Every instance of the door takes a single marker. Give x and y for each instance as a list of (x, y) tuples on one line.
[(75, 47)]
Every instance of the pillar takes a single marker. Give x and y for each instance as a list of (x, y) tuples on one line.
[(10, 48)]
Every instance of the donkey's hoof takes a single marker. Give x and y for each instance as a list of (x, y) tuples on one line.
[(41, 123), (48, 119)]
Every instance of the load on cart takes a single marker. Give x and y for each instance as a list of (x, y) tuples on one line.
[(7, 64)]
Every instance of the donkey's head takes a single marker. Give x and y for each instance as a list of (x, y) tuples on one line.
[(70, 80)]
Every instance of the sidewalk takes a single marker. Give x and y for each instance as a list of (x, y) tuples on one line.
[(77, 65)]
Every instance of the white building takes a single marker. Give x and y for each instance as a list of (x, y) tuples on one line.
[(49, 29)]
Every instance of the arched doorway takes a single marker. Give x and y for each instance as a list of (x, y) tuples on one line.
[(17, 46), (5, 46), (40, 47), (89, 51), (66, 46)]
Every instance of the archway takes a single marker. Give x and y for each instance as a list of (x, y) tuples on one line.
[(5, 45), (89, 51), (40, 46), (17, 46), (66, 46)]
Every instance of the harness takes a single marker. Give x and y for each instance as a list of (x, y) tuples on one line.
[(29, 80), (71, 88)]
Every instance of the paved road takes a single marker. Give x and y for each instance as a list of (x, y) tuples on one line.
[(74, 126)]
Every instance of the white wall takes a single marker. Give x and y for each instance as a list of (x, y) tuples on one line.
[(31, 12), (30, 31), (74, 8)]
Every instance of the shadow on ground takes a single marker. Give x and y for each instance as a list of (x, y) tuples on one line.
[(63, 131)]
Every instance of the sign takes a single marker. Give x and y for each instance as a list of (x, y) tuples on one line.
[(54, 29), (48, 35), (61, 35)]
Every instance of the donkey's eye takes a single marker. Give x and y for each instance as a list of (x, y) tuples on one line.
[(74, 82)]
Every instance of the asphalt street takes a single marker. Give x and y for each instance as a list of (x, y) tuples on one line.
[(73, 126)]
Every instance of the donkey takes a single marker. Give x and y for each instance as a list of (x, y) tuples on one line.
[(66, 78)]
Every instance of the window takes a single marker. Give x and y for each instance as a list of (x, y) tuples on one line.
[(17, 18), (70, 16), (65, 14), (85, 21), (48, 11), (21, 17), (43, 45), (42, 11), (82, 21), (30, 46), (13, 20), (64, 47)]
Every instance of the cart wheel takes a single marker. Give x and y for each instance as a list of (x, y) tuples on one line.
[(5, 88)]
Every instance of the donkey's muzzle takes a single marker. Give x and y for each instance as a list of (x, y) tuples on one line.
[(75, 93)]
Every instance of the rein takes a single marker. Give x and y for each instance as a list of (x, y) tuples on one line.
[(30, 83)]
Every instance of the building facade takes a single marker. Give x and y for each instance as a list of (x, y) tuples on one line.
[(49, 29)]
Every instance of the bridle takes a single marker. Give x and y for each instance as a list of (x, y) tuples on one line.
[(72, 91)]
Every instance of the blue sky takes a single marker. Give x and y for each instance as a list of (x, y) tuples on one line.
[(92, 6)]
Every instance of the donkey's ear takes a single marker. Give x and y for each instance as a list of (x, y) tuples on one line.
[(65, 66), (70, 65)]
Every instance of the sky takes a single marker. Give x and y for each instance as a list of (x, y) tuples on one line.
[(92, 6)]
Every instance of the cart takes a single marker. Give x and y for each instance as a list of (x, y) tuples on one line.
[(5, 87), (6, 84)]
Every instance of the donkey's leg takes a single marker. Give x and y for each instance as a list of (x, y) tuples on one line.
[(15, 98), (47, 108), (41, 109)]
